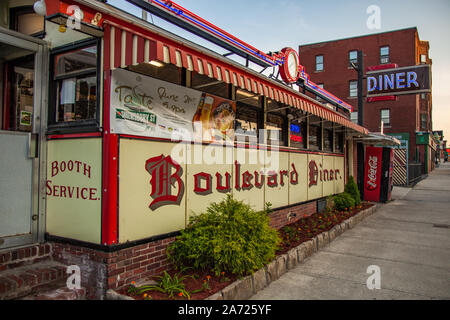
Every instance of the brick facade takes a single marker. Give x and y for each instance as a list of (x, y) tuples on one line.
[(405, 49), (280, 218)]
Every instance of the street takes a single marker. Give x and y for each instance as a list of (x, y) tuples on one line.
[(408, 239)]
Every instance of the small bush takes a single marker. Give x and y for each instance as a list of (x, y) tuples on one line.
[(352, 188), (229, 237), (344, 201)]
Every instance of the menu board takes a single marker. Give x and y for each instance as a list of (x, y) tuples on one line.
[(144, 106)]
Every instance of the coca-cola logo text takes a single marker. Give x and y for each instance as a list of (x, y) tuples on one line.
[(372, 173)]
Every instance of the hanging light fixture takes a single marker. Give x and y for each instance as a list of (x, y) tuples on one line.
[(40, 8)]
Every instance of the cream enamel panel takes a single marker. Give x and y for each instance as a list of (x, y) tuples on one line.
[(214, 160), (315, 185), (248, 160), (299, 192), (328, 182), (136, 219), (74, 184), (339, 182), (278, 195)]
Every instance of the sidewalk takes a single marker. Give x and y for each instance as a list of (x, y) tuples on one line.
[(406, 238)]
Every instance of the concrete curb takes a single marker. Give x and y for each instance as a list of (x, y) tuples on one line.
[(245, 288)]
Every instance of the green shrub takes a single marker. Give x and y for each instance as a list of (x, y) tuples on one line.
[(344, 201), (229, 237), (352, 188)]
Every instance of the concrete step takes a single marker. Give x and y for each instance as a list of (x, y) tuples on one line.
[(31, 279), (62, 293)]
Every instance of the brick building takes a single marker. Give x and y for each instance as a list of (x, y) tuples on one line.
[(329, 64)]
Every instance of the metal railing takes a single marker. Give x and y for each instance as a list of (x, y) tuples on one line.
[(415, 172)]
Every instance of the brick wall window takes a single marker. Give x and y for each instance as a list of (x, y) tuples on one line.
[(353, 88), (386, 117), (354, 117), (319, 63), (423, 122), (352, 58), (385, 55), (317, 97), (423, 58)]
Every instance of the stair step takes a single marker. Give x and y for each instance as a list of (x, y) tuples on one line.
[(62, 293), (23, 281)]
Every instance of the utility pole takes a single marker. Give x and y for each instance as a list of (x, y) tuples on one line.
[(360, 71), (360, 147)]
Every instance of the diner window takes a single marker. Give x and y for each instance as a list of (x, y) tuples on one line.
[(354, 117), (339, 141), (386, 117), (385, 55), (353, 88), (246, 124), (209, 85), (248, 98), (24, 20), (352, 58), (328, 137), (275, 129), (161, 71), (315, 133), (319, 63), (298, 134), (75, 88)]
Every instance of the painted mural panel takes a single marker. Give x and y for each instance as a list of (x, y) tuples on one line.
[(315, 183), (277, 180), (248, 178), (298, 188), (151, 190), (327, 176), (339, 175), (73, 188), (209, 176)]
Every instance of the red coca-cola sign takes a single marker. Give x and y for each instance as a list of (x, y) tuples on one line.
[(372, 177)]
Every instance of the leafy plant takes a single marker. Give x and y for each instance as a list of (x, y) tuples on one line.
[(168, 285), (352, 188), (344, 201), (289, 231), (229, 237)]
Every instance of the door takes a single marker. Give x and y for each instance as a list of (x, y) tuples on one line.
[(23, 82)]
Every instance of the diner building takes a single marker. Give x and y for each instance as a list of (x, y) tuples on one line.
[(115, 132)]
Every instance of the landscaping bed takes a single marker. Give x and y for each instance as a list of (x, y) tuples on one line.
[(310, 226), (199, 285)]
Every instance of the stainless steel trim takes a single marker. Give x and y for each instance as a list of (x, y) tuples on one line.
[(37, 145)]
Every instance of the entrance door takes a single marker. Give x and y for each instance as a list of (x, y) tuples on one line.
[(22, 84)]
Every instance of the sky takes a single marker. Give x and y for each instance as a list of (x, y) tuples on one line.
[(272, 25)]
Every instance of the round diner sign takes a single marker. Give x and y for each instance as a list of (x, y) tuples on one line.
[(290, 71)]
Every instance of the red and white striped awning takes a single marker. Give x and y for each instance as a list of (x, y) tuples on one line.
[(125, 47)]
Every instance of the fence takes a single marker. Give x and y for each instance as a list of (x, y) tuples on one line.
[(415, 171)]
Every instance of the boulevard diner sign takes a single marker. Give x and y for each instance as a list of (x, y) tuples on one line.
[(162, 184), (399, 81)]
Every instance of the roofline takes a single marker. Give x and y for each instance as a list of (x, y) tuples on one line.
[(361, 36)]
